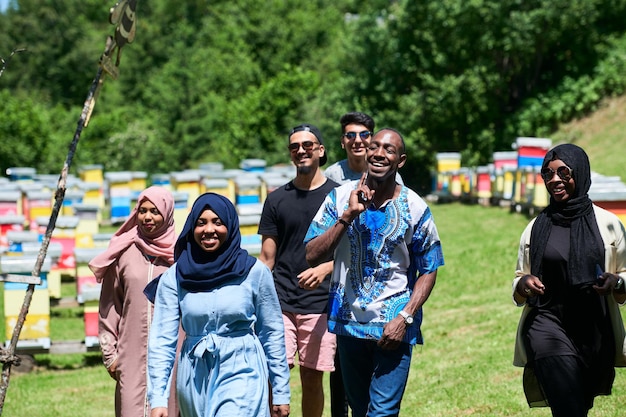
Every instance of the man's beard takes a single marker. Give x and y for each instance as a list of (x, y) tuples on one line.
[(304, 170)]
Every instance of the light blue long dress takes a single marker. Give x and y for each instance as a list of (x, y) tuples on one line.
[(234, 345)]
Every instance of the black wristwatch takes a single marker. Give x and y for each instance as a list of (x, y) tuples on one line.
[(619, 286)]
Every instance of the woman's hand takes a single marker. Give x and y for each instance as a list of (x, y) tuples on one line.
[(530, 286), (112, 370), (158, 412), (281, 410), (606, 283)]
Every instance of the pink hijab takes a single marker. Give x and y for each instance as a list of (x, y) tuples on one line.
[(161, 246)]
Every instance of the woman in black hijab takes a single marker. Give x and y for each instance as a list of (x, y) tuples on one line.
[(570, 279)]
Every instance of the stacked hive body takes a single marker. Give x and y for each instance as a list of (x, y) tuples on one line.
[(610, 194), (35, 334), (511, 179), (26, 202), (98, 199), (529, 192)]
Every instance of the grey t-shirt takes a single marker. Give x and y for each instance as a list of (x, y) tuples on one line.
[(341, 173)]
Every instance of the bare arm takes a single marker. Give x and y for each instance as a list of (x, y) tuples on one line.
[(321, 248), (394, 331), (269, 246), (421, 291)]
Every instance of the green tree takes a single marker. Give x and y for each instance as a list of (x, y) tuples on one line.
[(62, 45), (24, 130)]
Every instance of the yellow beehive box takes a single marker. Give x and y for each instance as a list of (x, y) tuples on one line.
[(36, 326), (91, 173), (14, 298), (138, 180), (221, 186), (448, 161), (187, 182)]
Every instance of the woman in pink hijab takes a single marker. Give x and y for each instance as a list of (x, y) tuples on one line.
[(142, 249)]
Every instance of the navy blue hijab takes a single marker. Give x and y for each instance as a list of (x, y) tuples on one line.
[(197, 270)]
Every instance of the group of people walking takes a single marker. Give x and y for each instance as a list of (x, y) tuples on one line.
[(194, 325)]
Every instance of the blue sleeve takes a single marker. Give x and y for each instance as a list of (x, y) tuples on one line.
[(271, 333), (163, 339), (425, 251), (325, 218)]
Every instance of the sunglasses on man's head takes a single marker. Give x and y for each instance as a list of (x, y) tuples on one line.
[(363, 135), (307, 145), (564, 172)]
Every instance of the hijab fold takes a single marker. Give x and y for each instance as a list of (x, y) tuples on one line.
[(586, 245), (159, 246), (198, 270)]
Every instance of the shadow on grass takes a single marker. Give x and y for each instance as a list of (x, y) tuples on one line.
[(67, 361), (67, 313)]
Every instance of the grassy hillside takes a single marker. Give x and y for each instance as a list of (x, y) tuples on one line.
[(603, 135)]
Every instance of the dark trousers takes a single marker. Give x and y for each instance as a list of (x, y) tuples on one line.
[(338, 399), (562, 379)]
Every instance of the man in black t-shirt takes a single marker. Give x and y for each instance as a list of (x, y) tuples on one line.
[(302, 290)]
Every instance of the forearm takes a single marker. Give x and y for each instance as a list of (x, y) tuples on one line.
[(421, 291), (321, 248)]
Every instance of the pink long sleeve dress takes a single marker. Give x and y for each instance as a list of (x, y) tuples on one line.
[(125, 315)]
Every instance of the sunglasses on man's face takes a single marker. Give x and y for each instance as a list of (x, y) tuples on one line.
[(307, 145), (363, 135), (564, 172)]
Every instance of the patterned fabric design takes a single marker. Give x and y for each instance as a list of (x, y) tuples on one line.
[(377, 262)]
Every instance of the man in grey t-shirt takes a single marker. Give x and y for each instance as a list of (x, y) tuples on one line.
[(357, 128)]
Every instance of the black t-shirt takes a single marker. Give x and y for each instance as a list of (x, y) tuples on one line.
[(287, 214)]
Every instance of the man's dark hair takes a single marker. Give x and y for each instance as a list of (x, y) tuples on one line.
[(356, 118)]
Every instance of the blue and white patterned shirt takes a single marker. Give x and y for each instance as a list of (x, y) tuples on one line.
[(377, 261)]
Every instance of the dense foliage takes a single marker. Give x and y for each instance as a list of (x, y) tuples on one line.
[(225, 80)]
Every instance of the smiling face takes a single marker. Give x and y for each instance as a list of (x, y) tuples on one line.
[(305, 151), (149, 219), (210, 232), (385, 155), (356, 147), (559, 189)]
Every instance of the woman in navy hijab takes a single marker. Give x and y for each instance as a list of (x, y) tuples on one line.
[(225, 299)]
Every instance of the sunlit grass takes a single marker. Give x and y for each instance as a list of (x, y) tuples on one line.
[(464, 368)]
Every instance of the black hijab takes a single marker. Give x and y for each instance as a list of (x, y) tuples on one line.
[(197, 270), (586, 245)]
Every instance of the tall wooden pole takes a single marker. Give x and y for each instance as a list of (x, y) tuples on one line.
[(122, 15)]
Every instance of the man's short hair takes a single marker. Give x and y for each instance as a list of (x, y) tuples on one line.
[(391, 129), (357, 118)]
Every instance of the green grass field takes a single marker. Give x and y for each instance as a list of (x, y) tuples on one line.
[(464, 367)]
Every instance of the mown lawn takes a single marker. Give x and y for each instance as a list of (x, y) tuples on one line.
[(463, 369)]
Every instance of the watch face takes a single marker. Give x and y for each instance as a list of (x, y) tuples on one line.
[(408, 320)]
